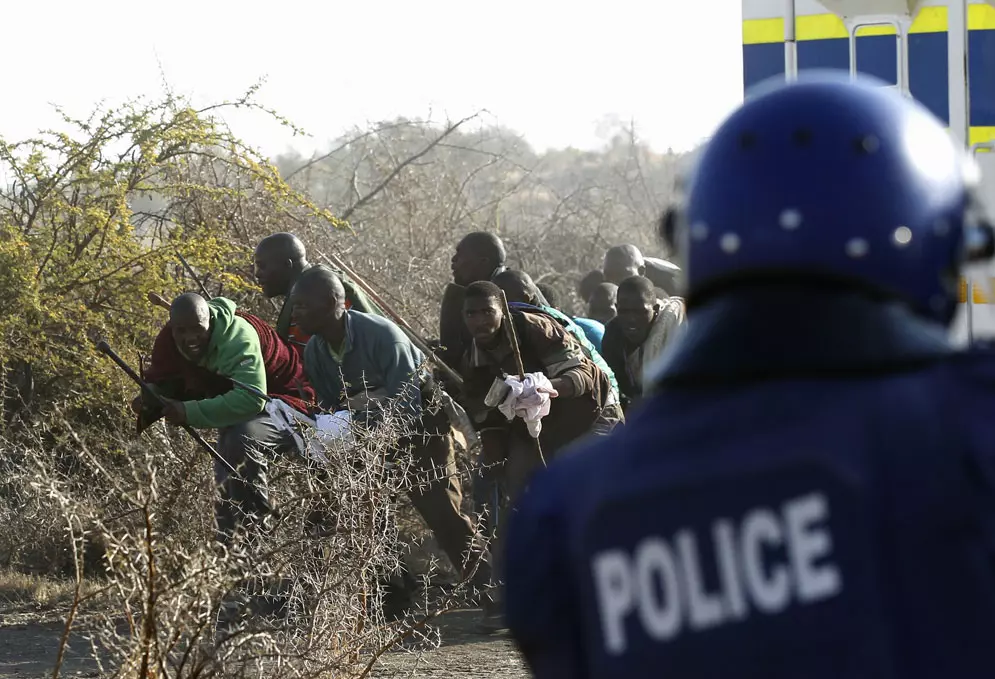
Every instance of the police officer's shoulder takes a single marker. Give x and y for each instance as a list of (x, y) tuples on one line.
[(581, 467)]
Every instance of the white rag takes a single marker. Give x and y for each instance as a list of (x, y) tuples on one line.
[(335, 426), (529, 400), (323, 430)]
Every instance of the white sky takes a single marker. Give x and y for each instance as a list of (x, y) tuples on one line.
[(549, 69)]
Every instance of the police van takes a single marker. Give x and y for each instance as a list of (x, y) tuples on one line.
[(941, 52)]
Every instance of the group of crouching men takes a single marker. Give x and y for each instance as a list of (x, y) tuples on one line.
[(333, 350)]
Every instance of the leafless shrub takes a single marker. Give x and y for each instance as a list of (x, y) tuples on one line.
[(410, 189), (305, 587)]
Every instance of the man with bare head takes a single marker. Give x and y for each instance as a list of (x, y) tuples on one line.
[(215, 367), (366, 364), (625, 261), (601, 304), (621, 262), (644, 326), (190, 321), (587, 284), (280, 259), (522, 295), (479, 256)]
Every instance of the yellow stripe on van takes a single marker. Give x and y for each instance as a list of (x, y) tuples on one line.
[(979, 18), (977, 293), (980, 135), (830, 26)]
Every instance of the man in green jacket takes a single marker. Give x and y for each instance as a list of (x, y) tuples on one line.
[(215, 369)]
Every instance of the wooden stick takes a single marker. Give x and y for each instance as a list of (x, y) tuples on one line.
[(509, 329), (159, 300), (186, 265)]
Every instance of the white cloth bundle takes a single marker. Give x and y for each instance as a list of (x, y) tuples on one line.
[(529, 400), (335, 426)]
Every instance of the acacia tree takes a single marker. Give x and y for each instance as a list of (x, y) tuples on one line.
[(99, 214), (94, 219)]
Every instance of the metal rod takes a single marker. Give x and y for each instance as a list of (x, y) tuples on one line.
[(104, 348), (901, 58), (958, 75), (790, 42)]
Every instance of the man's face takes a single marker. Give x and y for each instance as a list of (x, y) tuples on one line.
[(635, 317), (516, 291), (312, 307), (192, 335), (483, 319), (618, 267), (602, 306), (273, 273), (467, 266)]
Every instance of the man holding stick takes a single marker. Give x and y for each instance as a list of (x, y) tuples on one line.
[(211, 365), (366, 363), (580, 396), (563, 395)]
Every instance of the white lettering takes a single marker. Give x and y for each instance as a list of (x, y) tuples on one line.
[(806, 544), (725, 547), (667, 589), (706, 609), (655, 568), (770, 594), (615, 596)]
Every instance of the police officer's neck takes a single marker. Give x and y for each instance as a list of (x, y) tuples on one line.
[(768, 331)]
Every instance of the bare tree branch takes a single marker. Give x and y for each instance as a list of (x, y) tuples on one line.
[(397, 170)]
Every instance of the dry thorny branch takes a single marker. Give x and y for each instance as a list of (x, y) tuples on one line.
[(309, 579)]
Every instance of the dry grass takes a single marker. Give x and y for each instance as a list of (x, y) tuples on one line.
[(39, 590)]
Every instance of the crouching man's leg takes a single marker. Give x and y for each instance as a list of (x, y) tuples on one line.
[(242, 505), (437, 494), (244, 499)]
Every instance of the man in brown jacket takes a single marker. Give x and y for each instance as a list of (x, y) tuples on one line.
[(583, 390), (581, 404)]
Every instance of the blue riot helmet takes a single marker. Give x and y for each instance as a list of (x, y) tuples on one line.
[(832, 180)]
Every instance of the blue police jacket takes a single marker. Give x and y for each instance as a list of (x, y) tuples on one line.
[(810, 493)]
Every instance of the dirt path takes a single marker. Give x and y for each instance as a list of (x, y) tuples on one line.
[(28, 648), (463, 653)]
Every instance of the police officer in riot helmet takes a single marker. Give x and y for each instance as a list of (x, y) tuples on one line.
[(810, 491)]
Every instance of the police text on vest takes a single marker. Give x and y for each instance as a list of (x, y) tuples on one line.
[(663, 582)]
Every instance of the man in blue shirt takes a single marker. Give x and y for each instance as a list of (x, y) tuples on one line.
[(810, 491), (366, 363)]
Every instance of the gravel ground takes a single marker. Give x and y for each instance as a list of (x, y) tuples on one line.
[(28, 647)]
